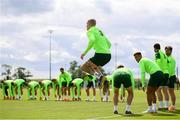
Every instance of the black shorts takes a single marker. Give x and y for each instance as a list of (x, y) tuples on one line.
[(91, 84), (100, 59), (106, 84), (165, 80), (64, 84), (171, 81), (156, 79), (124, 79)]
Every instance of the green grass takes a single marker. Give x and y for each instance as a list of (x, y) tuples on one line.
[(52, 109)]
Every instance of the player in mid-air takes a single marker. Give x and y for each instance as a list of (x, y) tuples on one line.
[(18, 87), (101, 45), (123, 76), (156, 77), (172, 76), (161, 60)]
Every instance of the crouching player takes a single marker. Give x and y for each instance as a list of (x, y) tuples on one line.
[(32, 88), (45, 89), (106, 82), (123, 76), (7, 89), (76, 88), (56, 88), (90, 82), (18, 87)]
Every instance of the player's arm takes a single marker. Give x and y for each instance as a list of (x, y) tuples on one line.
[(142, 69), (158, 58), (91, 38)]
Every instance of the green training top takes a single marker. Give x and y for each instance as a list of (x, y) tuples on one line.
[(171, 65), (77, 82), (147, 66), (98, 41), (9, 84), (161, 60), (64, 77), (33, 84), (89, 78), (19, 82), (121, 71)]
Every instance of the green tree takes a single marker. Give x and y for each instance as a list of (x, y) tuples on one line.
[(7, 71)]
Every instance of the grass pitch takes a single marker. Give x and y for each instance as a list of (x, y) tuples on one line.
[(25, 109)]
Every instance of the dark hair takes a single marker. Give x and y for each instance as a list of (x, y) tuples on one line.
[(120, 66), (137, 53), (61, 68), (92, 21), (157, 46), (169, 48)]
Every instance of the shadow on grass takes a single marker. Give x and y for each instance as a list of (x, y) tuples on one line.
[(177, 111), (133, 115), (163, 114)]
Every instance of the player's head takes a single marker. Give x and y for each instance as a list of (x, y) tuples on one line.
[(62, 70), (54, 80), (157, 47), (168, 50), (137, 56), (91, 23), (120, 66)]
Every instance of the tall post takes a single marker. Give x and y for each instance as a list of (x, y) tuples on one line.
[(50, 37)]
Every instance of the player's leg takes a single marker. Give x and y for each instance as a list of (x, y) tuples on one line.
[(172, 80), (94, 90), (115, 99), (160, 98), (165, 91), (129, 100)]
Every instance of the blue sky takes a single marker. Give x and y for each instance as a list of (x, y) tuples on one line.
[(134, 24)]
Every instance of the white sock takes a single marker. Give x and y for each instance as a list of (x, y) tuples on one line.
[(160, 104), (150, 107), (166, 104), (104, 98), (94, 98), (154, 106), (108, 98), (128, 108), (115, 108), (88, 98)]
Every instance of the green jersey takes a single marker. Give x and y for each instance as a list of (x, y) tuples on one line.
[(8, 83), (77, 82), (64, 77), (147, 66), (171, 65), (161, 60), (19, 82), (33, 84), (121, 71), (45, 85), (31, 87), (98, 41), (90, 78)]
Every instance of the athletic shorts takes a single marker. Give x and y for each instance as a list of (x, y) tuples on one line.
[(124, 79), (100, 59), (165, 80), (91, 84), (171, 82), (156, 79), (64, 84), (106, 84)]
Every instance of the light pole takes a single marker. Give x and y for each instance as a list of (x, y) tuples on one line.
[(115, 44), (50, 37)]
